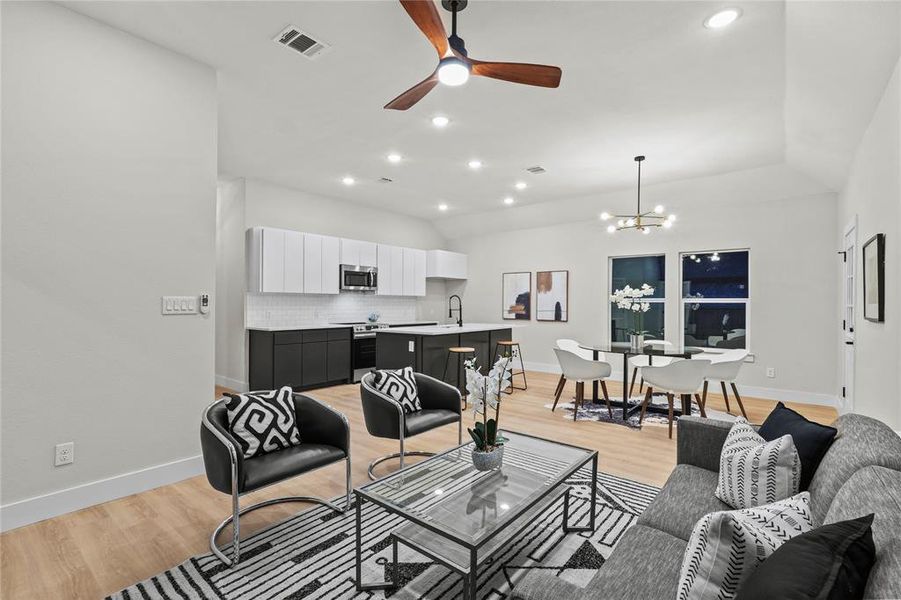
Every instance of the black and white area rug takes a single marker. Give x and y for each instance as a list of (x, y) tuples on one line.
[(589, 411), (311, 555)]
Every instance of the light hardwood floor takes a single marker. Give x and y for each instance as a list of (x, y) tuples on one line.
[(99, 550)]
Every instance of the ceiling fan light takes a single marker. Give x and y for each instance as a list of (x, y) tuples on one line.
[(453, 71)]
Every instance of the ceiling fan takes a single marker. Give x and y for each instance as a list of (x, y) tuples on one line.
[(454, 65)]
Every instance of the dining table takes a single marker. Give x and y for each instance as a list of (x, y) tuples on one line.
[(651, 351)]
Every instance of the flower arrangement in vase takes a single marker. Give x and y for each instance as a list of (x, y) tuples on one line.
[(632, 299), (485, 394)]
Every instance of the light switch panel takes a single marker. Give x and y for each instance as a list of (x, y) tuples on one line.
[(179, 305)]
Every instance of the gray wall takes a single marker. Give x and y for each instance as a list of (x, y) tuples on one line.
[(793, 285), (109, 189), (873, 194)]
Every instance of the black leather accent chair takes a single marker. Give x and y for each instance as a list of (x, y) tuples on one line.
[(324, 440), (385, 418)]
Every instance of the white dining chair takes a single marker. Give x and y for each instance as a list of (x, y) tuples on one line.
[(639, 361), (724, 367), (572, 346), (580, 370), (683, 377)]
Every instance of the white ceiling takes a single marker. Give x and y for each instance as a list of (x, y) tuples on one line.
[(638, 78)]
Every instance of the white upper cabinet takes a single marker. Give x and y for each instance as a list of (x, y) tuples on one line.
[(414, 272), (293, 262), (321, 255), (281, 261), (443, 264), (355, 252)]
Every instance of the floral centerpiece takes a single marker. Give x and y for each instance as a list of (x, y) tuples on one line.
[(485, 394), (632, 299)]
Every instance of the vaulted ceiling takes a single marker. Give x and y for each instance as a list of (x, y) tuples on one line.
[(787, 84)]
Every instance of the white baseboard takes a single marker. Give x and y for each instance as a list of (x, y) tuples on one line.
[(38, 508), (232, 384), (745, 390)]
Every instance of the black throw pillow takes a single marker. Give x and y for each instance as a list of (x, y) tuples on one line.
[(831, 562), (812, 440)]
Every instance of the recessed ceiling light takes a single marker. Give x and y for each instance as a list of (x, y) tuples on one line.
[(442, 207), (508, 200), (722, 18), (475, 164), (440, 121), (348, 180), (521, 185), (395, 158)]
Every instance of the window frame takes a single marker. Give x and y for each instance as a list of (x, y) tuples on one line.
[(662, 301), (683, 300)]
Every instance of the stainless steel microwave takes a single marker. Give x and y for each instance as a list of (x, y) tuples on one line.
[(356, 278)]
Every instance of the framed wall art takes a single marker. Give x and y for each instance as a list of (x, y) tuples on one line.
[(874, 278), (552, 296), (517, 296)]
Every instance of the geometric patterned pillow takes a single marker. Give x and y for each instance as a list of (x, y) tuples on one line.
[(262, 422), (726, 546), (401, 386), (754, 471)]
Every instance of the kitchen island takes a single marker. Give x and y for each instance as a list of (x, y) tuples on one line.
[(426, 348)]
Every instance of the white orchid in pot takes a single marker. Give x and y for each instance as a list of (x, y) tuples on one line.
[(485, 394), (632, 299)]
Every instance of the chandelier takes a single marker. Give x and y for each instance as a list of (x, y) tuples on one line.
[(640, 221)]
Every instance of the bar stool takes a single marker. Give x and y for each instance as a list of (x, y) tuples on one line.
[(460, 352), (506, 349)]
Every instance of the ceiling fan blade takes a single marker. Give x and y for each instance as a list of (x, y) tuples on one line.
[(414, 94), (540, 75), (425, 15)]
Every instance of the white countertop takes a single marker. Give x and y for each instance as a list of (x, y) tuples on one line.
[(451, 329), (297, 326)]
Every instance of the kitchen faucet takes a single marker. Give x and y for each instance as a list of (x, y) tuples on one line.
[(459, 309)]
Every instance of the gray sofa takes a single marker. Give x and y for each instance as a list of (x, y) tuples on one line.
[(860, 474)]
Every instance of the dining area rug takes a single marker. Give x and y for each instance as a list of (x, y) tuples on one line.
[(589, 411), (311, 556)]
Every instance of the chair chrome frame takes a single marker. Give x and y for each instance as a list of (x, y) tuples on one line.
[(401, 421), (237, 511)]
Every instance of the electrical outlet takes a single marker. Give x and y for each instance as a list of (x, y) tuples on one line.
[(771, 372), (65, 454)]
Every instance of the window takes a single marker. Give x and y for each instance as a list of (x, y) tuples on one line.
[(634, 271), (715, 299)]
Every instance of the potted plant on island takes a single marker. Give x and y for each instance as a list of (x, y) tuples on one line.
[(485, 393), (631, 299)]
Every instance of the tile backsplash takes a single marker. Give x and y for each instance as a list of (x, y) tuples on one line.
[(291, 309)]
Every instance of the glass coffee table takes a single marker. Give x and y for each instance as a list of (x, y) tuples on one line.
[(458, 516)]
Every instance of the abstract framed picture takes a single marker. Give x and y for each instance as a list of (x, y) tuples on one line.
[(874, 279), (552, 296), (517, 296)]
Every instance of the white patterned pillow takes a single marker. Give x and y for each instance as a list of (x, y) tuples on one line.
[(401, 386), (754, 471), (263, 422), (725, 547)]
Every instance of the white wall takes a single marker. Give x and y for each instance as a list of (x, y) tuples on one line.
[(263, 204), (873, 194), (792, 282), (109, 187)]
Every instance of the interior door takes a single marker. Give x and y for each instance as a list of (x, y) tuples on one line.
[(848, 301)]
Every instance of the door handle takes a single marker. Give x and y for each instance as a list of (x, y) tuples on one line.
[(849, 343)]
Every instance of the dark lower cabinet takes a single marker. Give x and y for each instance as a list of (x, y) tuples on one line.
[(299, 358), (315, 363), (339, 360), (286, 365)]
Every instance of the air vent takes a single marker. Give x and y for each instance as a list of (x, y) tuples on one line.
[(302, 42), (385, 180), (536, 170)]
